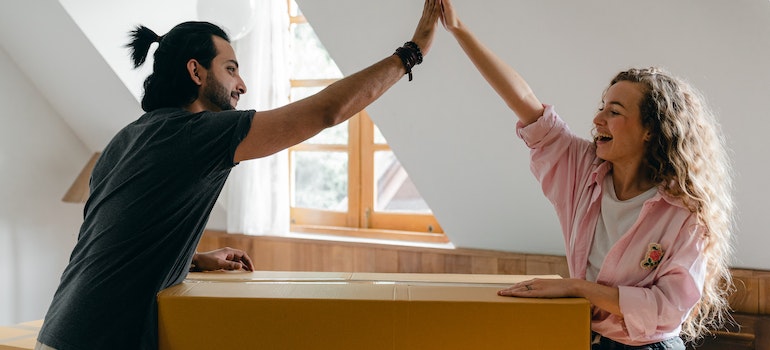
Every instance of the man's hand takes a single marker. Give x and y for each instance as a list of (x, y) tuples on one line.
[(426, 27), (222, 259)]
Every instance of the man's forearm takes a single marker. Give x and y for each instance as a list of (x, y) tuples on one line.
[(352, 94)]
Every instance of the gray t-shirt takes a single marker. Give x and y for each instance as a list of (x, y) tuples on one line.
[(152, 191)]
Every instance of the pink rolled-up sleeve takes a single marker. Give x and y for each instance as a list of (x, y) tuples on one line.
[(662, 307), (560, 160), (534, 134)]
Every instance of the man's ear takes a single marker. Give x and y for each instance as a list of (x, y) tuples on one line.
[(192, 69)]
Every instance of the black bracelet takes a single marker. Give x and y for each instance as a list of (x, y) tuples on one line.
[(412, 45), (410, 56)]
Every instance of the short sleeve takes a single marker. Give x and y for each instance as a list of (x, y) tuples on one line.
[(214, 137)]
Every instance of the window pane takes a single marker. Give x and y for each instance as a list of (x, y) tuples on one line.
[(298, 93), (310, 58), (294, 9), (336, 135), (378, 137), (395, 192), (320, 180)]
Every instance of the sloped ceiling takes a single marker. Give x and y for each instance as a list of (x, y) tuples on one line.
[(50, 48)]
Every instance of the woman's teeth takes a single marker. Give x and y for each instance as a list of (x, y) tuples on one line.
[(602, 137)]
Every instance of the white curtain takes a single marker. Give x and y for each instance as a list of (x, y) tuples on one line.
[(256, 196)]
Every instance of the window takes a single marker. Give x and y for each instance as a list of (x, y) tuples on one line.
[(346, 180)]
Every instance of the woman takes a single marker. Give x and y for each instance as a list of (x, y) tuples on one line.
[(644, 207)]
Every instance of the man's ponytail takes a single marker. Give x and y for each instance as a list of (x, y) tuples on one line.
[(141, 39)]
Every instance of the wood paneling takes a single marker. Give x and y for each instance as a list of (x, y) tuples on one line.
[(746, 296), (289, 254), (764, 295), (752, 334)]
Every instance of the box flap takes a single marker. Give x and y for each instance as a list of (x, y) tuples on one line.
[(446, 278), (245, 276), (333, 290)]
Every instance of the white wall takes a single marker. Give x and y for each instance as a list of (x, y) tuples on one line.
[(39, 157), (456, 138)]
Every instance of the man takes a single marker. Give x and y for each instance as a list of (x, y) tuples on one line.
[(154, 186)]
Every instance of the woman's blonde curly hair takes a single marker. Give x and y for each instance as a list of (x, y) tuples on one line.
[(687, 155)]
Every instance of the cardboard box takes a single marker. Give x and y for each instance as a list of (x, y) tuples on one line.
[(296, 310), (22, 336)]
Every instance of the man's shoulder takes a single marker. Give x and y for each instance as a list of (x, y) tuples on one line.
[(164, 113)]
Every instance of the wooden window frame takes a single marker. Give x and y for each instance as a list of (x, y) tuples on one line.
[(361, 220)]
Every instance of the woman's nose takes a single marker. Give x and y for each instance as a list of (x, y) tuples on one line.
[(598, 119)]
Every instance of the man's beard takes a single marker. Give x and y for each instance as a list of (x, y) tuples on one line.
[(217, 94)]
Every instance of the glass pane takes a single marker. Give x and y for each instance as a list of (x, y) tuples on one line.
[(310, 58), (378, 137), (320, 180), (336, 135), (298, 93), (294, 9), (395, 192)]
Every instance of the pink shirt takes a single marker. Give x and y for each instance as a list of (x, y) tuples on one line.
[(654, 298)]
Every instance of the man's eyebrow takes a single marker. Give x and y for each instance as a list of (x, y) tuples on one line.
[(234, 62), (617, 103)]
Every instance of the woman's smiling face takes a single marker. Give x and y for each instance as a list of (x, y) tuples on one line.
[(619, 134)]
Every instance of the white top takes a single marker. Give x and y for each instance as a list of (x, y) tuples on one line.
[(615, 219)]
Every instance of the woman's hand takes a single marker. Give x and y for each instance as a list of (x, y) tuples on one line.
[(604, 297), (540, 288), (448, 16)]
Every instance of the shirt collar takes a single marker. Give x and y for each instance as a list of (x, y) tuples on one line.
[(602, 168)]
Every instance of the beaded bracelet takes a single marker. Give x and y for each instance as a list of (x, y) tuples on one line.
[(410, 56)]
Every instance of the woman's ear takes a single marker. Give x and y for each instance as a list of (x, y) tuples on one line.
[(192, 69), (647, 136)]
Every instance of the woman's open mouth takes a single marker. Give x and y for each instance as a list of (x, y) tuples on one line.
[(601, 137)]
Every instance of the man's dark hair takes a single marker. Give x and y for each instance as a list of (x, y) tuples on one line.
[(170, 85)]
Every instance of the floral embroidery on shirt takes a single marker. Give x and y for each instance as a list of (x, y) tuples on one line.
[(653, 257)]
